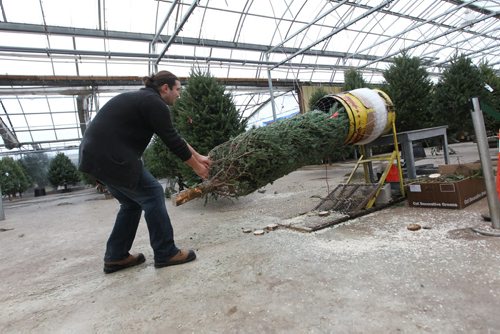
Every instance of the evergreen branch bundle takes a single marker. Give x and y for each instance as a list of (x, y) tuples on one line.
[(262, 155)]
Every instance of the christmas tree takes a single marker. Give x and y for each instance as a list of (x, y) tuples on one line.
[(409, 86), (262, 155)]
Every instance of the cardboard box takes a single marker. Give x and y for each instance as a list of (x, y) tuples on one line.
[(436, 193)]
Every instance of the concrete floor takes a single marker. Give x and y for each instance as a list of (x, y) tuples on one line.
[(368, 275)]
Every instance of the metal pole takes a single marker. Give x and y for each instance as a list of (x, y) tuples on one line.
[(484, 155), (270, 82), (177, 30), (2, 214), (164, 23), (334, 32), (304, 28)]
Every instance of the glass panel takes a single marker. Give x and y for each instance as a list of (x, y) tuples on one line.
[(78, 14), (23, 136), (63, 134), (24, 40), (18, 122), (27, 12), (43, 135)]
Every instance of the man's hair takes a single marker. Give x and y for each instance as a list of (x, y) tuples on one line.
[(159, 79)]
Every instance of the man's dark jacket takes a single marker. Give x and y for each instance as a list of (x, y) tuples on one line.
[(113, 144)]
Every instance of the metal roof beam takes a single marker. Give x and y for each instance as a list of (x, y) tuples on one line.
[(433, 52), (414, 18), (75, 85), (335, 31), (425, 41), (139, 37), (165, 20), (421, 23), (68, 31), (307, 26), (109, 55), (475, 8), (177, 30)]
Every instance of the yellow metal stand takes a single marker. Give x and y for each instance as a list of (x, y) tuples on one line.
[(395, 156)]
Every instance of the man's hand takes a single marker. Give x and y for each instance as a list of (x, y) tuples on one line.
[(200, 168), (204, 160), (199, 163), (202, 171)]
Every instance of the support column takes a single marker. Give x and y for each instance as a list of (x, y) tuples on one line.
[(2, 213), (271, 92), (484, 155), (82, 106)]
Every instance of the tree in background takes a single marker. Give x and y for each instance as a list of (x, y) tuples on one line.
[(88, 179), (409, 87), (62, 172), (491, 101), (353, 79), (458, 84), (13, 179), (206, 116), (36, 166), (315, 96)]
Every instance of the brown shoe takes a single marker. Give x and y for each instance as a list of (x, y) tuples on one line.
[(130, 261), (183, 256)]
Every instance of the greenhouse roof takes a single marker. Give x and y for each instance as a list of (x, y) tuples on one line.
[(60, 60)]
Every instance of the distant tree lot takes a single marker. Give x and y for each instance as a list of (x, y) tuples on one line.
[(353, 79), (420, 104), (451, 99), (13, 179), (409, 88), (62, 172), (36, 165)]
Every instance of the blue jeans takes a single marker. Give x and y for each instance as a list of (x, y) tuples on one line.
[(147, 196)]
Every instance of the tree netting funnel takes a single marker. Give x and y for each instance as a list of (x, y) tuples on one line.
[(370, 112)]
